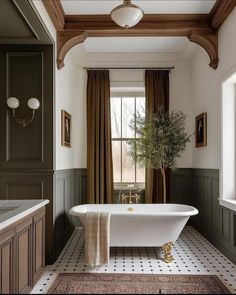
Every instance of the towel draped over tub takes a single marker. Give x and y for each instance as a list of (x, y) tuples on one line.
[(97, 238)]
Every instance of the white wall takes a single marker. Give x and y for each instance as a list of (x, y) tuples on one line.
[(194, 89), (79, 132), (69, 96), (70, 91), (206, 93), (181, 99)]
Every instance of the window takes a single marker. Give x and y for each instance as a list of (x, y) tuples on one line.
[(124, 109), (228, 129)]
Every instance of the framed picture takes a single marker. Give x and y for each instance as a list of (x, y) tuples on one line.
[(201, 130), (65, 129)]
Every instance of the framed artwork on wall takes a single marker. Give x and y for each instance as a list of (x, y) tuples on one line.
[(201, 130), (65, 129)]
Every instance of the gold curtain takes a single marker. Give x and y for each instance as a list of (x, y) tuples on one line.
[(99, 150), (157, 98)]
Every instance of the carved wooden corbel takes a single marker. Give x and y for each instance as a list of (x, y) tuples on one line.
[(209, 41), (65, 41)]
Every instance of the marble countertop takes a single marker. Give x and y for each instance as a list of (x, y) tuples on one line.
[(13, 210)]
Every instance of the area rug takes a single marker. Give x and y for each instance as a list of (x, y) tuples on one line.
[(84, 283)]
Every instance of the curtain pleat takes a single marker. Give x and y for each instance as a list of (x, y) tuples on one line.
[(99, 150), (157, 98)]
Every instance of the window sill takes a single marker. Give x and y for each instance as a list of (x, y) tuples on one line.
[(128, 187), (229, 204)]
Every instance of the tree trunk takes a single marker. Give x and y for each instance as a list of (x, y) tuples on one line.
[(163, 172)]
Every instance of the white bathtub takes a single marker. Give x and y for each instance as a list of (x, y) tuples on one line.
[(146, 225)]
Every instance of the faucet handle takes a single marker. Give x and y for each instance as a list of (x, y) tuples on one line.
[(137, 198)]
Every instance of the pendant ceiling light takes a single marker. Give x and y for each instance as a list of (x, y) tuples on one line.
[(127, 15)]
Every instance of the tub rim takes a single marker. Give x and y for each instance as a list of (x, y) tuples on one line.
[(190, 210)]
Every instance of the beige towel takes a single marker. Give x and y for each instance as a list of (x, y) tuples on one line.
[(97, 238)]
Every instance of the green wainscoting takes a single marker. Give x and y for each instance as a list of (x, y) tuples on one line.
[(216, 223), (63, 200), (80, 186), (180, 185)]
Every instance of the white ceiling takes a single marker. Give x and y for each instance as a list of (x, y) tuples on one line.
[(149, 6), (136, 44)]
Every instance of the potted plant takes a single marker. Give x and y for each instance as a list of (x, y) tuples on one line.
[(161, 138)]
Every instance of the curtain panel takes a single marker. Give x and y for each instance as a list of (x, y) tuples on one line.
[(99, 150), (157, 98)]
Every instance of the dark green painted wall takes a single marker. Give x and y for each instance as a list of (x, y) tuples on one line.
[(200, 188), (26, 154), (63, 201), (25, 72), (180, 186), (215, 222), (20, 23)]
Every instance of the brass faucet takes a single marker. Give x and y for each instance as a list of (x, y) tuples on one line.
[(124, 198)]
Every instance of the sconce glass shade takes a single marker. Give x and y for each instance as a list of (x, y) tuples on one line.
[(33, 103), (127, 15), (13, 103)]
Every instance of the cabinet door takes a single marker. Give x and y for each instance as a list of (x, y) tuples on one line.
[(24, 257), (6, 263), (38, 245)]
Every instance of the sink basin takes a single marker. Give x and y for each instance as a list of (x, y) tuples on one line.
[(4, 210)]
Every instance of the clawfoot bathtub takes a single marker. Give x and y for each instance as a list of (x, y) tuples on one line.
[(142, 225)]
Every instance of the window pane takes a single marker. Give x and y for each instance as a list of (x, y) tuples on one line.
[(140, 174), (116, 117), (140, 106), (116, 154), (128, 115), (128, 168)]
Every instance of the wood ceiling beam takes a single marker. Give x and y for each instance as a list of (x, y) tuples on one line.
[(55, 10), (198, 28), (175, 24), (220, 12), (193, 26)]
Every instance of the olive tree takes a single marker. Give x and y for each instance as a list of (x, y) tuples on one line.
[(161, 138)]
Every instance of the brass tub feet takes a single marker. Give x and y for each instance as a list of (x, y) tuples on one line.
[(168, 258)]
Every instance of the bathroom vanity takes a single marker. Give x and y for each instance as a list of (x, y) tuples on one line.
[(22, 244)]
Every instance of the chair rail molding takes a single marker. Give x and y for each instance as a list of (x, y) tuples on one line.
[(198, 28)]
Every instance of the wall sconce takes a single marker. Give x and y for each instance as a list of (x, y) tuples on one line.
[(13, 103)]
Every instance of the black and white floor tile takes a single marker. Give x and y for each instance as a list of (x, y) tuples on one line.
[(192, 252)]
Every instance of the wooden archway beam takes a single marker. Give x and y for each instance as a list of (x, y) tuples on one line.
[(198, 28), (193, 26)]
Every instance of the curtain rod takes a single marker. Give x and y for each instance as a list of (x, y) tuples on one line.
[(120, 68)]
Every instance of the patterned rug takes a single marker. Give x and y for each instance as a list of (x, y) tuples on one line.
[(84, 283)]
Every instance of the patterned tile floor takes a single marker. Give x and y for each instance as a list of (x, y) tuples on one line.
[(192, 252)]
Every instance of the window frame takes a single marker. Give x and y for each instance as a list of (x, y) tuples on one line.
[(124, 94), (226, 199)]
